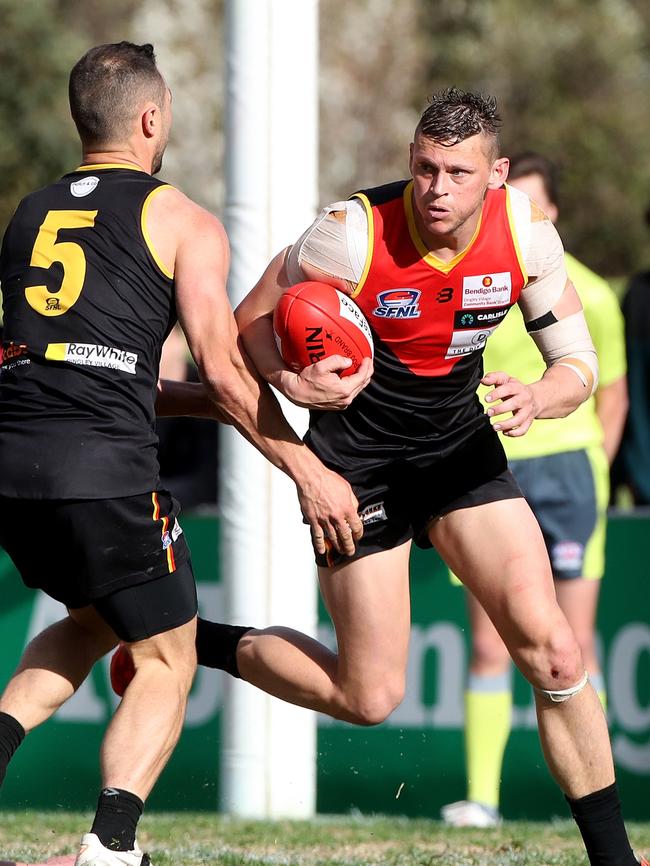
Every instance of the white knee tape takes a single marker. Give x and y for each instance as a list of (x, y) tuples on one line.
[(562, 695)]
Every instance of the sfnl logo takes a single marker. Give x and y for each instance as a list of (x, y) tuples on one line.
[(398, 304)]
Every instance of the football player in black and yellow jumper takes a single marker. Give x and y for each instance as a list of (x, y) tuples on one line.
[(95, 269)]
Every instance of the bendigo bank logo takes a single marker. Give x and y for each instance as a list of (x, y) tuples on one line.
[(398, 304)]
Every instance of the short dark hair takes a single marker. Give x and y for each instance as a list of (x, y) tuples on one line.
[(107, 87), (530, 162), (454, 115)]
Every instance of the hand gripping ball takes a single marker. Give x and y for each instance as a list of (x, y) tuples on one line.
[(314, 320)]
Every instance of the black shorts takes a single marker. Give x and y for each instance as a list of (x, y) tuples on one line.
[(80, 551), (399, 497), (141, 611)]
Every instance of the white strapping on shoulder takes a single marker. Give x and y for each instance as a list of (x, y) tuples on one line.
[(335, 243)]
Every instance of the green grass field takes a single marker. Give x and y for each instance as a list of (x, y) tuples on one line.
[(189, 839)]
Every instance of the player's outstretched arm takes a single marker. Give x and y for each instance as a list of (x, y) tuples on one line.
[(200, 266), (318, 386), (175, 398)]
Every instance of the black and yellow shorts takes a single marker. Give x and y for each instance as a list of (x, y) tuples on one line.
[(116, 554)]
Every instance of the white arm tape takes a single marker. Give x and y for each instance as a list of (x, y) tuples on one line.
[(567, 342), (335, 243), (545, 264)]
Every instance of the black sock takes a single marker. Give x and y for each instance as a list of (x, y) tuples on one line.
[(216, 645), (116, 819), (12, 734), (600, 822)]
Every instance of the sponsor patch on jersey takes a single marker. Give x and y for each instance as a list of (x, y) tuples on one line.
[(567, 555), (466, 342), (84, 186), (487, 290), (12, 355), (176, 531), (398, 304), (479, 318), (90, 355), (8, 366), (11, 351), (374, 513)]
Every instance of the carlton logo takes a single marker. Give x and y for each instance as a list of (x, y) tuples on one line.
[(398, 304)]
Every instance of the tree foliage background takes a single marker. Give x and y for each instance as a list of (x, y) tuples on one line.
[(572, 79)]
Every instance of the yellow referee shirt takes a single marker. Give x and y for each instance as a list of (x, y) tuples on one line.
[(512, 350)]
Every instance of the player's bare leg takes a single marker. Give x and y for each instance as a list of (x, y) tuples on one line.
[(578, 598), (148, 721), (488, 698), (497, 549), (52, 668), (54, 665), (368, 600)]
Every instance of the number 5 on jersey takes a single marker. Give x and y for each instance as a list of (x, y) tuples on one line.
[(48, 250)]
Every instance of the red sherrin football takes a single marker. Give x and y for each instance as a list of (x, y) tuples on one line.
[(314, 320)]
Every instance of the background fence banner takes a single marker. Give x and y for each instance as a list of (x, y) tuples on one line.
[(413, 762)]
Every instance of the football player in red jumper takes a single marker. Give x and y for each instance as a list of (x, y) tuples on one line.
[(435, 262)]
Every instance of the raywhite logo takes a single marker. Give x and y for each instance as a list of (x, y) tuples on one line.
[(84, 186), (89, 355), (487, 290)]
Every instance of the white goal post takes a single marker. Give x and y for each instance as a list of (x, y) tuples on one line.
[(268, 748)]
